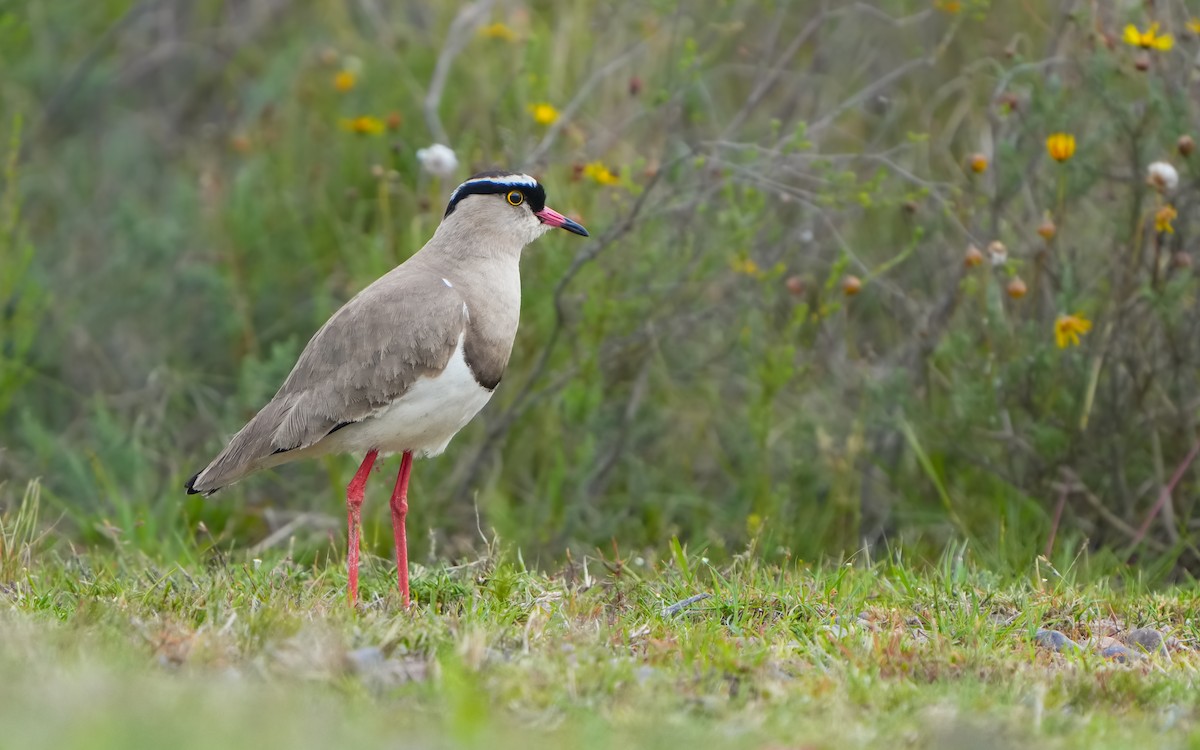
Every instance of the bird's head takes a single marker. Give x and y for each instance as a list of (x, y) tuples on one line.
[(506, 203)]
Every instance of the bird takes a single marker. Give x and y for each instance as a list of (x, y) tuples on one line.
[(408, 361)]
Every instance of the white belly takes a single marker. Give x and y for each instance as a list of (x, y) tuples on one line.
[(423, 420)]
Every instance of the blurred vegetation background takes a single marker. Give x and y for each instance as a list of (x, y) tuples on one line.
[(844, 290)]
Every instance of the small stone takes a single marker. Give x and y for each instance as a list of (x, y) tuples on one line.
[(836, 630), (1148, 640), (1055, 641), (365, 659), (1119, 654)]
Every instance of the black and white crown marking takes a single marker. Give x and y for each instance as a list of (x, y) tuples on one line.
[(490, 183)]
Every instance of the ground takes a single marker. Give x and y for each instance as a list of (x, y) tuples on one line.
[(237, 652)]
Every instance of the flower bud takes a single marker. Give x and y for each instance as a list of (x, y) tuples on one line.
[(1047, 229)]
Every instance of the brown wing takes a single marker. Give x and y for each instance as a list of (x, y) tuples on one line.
[(404, 326)]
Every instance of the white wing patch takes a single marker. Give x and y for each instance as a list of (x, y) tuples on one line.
[(447, 283)]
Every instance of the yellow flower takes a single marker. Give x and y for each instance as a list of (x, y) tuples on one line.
[(1194, 25), (600, 174), (1061, 146), (1163, 219), (499, 31), (948, 6), (344, 81), (1068, 328), (979, 163), (543, 113), (746, 266), (1148, 39), (364, 125)]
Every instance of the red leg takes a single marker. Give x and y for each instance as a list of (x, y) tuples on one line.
[(354, 500), (399, 513)]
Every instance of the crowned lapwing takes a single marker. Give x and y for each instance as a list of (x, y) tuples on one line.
[(406, 363)]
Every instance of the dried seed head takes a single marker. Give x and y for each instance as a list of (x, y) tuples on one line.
[(1016, 288), (851, 285), (978, 163), (1009, 101), (1162, 176), (1186, 145), (973, 258), (998, 253), (795, 285), (1181, 260), (1047, 229)]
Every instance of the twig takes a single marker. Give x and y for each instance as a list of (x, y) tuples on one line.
[(283, 532), (468, 18), (1058, 509), (1165, 495), (581, 95), (1074, 484), (679, 606)]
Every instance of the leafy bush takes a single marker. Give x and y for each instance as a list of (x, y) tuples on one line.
[(779, 331)]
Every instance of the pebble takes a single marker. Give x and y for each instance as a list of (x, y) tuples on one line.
[(365, 659), (836, 631), (380, 672), (1119, 654), (1055, 641), (1148, 640)]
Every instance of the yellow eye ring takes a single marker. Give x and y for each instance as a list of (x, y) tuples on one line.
[(515, 197)]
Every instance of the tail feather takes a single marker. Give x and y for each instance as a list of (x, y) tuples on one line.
[(190, 486), (251, 449)]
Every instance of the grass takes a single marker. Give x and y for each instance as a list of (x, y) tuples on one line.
[(115, 649)]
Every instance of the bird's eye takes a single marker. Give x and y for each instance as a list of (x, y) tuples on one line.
[(515, 197)]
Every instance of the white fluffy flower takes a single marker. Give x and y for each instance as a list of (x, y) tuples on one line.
[(998, 253), (438, 160), (1162, 176)]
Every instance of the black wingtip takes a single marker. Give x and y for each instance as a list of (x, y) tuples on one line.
[(190, 484)]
